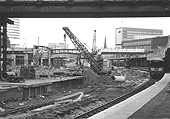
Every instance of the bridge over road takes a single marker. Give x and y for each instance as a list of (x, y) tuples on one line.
[(83, 8)]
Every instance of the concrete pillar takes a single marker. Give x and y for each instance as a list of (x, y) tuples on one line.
[(29, 92), (14, 59), (26, 59), (108, 63), (40, 90), (49, 58), (41, 61)]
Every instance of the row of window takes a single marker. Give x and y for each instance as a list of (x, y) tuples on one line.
[(65, 51), (134, 37), (144, 32), (147, 48), (137, 43)]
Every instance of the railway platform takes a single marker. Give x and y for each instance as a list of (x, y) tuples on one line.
[(33, 88), (153, 102)]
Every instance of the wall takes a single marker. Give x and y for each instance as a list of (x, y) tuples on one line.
[(11, 94), (159, 41)]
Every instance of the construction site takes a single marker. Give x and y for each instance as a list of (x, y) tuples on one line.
[(127, 81), (62, 86)]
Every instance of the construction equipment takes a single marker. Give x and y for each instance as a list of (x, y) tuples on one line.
[(94, 42), (12, 77), (84, 51)]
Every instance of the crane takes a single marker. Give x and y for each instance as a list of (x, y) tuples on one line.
[(84, 51)]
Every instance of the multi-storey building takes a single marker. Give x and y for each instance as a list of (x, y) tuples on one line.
[(129, 34), (13, 30), (147, 43), (14, 45)]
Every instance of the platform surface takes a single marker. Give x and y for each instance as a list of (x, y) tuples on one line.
[(42, 81), (127, 108)]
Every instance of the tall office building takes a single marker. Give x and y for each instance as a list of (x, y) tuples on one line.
[(13, 31), (129, 34)]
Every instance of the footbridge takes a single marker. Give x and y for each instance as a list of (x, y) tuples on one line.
[(68, 53), (84, 8)]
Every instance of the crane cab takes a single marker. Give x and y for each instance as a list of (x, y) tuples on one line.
[(156, 68)]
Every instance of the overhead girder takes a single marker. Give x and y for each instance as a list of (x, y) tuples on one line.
[(92, 8)]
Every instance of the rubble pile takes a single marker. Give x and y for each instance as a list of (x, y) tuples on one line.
[(133, 78), (102, 89), (48, 72), (91, 78), (43, 71)]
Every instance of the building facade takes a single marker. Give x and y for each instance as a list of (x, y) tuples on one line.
[(13, 30), (19, 56), (57, 45), (129, 34), (147, 43), (14, 45)]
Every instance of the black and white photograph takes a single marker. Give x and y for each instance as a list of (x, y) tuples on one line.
[(84, 59)]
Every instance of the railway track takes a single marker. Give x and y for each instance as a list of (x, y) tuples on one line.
[(115, 101), (28, 108), (23, 109)]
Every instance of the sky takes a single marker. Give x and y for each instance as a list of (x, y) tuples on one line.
[(49, 30)]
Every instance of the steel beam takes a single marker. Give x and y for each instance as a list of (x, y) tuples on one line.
[(80, 9), (4, 65), (3, 43)]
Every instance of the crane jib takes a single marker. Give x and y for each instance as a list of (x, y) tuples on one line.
[(85, 53)]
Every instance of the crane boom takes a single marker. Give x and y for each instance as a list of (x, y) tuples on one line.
[(84, 51)]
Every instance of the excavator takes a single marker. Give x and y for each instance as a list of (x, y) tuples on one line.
[(95, 63)]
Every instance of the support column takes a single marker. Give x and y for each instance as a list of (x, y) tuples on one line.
[(29, 92), (4, 47), (49, 58), (3, 43), (14, 59), (26, 59), (41, 62)]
